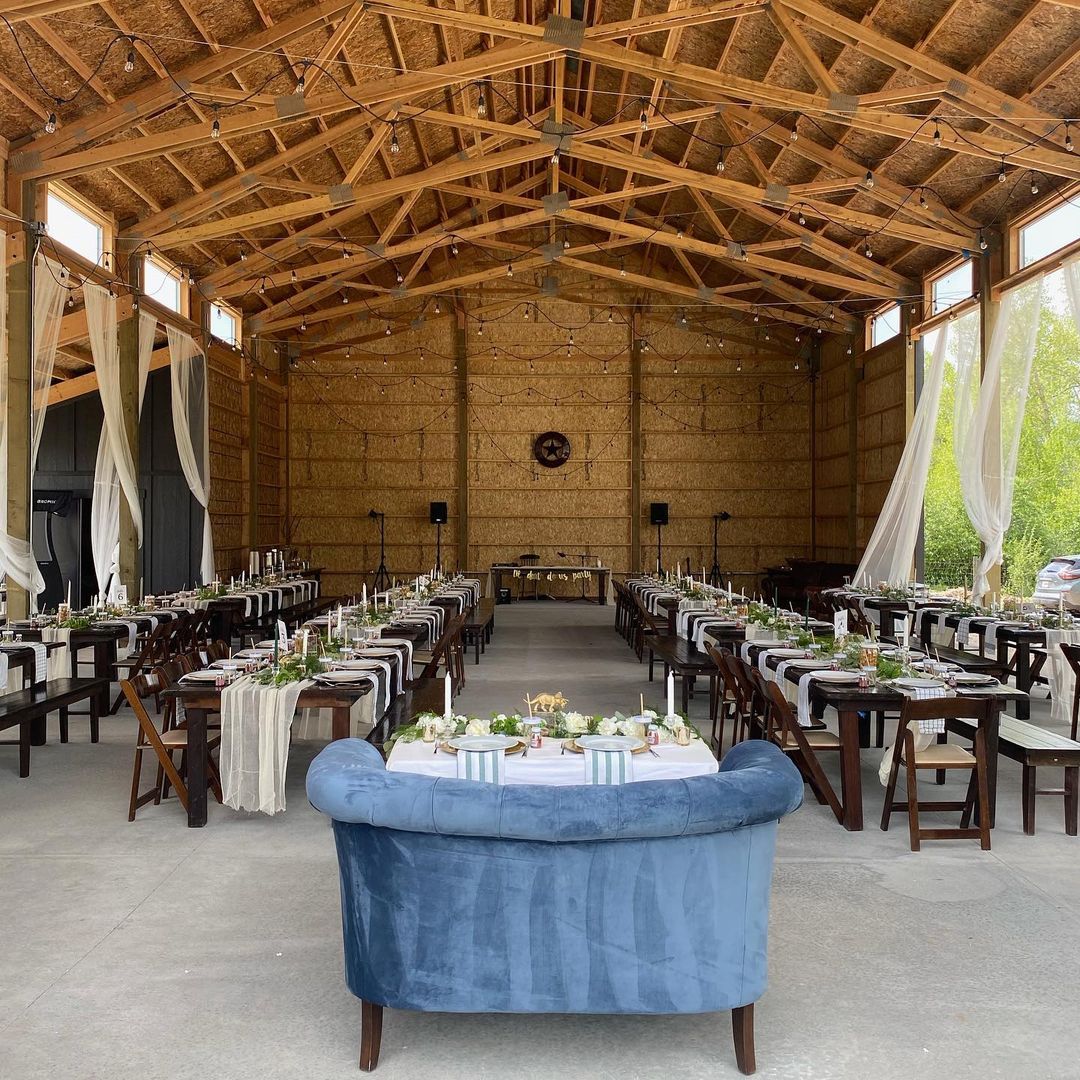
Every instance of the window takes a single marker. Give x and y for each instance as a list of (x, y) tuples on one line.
[(71, 224), (885, 325), (951, 287), (225, 323), (162, 284), (1049, 232)]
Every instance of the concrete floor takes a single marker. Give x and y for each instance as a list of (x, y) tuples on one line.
[(148, 950)]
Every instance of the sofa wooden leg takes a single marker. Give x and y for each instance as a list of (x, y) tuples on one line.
[(371, 1035), (742, 1028)]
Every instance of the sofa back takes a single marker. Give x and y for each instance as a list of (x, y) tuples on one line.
[(650, 897)]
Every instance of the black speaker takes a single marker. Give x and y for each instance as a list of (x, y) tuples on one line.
[(658, 514), (438, 513)]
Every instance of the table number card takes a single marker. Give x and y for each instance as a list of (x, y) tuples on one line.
[(122, 595), (282, 631), (839, 622)]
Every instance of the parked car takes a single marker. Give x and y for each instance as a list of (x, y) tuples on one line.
[(1060, 578)]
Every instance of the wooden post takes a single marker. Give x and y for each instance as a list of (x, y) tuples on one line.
[(635, 445), (461, 362), (20, 291), (253, 451), (854, 373), (130, 565), (990, 268)]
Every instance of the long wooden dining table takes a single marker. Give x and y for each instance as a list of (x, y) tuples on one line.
[(201, 701), (854, 732)]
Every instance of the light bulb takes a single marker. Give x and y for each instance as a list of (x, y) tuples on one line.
[(720, 162), (129, 62), (395, 146), (50, 124), (509, 269), (481, 104), (868, 179), (215, 129)]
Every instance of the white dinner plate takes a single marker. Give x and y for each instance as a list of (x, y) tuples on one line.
[(610, 742), (916, 684), (483, 742), (787, 652), (837, 676), (970, 678), (199, 676), (228, 665), (342, 677)]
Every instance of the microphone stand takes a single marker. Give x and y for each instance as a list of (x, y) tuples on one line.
[(582, 555), (382, 575)]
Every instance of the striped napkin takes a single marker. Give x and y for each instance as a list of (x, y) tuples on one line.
[(485, 766), (608, 766), (924, 731)]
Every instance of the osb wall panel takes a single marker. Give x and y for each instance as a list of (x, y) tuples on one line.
[(834, 494), (882, 429), (861, 428), (363, 435), (228, 453), (714, 439), (525, 379), (270, 467)]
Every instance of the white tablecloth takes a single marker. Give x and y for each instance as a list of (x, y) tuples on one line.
[(548, 765)]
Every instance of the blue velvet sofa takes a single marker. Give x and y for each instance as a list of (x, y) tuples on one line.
[(465, 897)]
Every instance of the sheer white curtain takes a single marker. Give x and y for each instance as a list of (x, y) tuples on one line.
[(987, 420), (114, 469), (50, 288), (890, 551), (191, 422)]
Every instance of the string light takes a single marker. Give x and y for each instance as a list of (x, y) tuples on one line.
[(982, 241), (301, 80), (129, 60), (555, 156), (481, 102), (50, 123), (720, 161), (644, 118), (1001, 172), (509, 269), (387, 331), (1034, 184), (395, 146), (868, 179), (1068, 138), (215, 129), (937, 134)]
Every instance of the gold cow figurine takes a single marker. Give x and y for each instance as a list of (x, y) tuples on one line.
[(547, 703)]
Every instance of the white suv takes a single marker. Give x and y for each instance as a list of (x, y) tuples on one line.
[(1060, 578)]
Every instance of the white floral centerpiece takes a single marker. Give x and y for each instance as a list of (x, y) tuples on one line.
[(560, 725)]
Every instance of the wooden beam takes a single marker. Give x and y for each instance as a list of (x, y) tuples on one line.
[(81, 385), (161, 94), (810, 60)]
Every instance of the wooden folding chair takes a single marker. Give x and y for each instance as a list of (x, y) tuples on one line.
[(163, 744), (151, 651), (1072, 656), (802, 745), (936, 757)]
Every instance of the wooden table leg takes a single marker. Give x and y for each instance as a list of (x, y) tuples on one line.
[(341, 725), (851, 770), (196, 767), (993, 729), (1023, 677)]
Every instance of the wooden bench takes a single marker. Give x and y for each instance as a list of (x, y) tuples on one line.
[(969, 661), (680, 656), (1032, 746), (24, 707), (478, 627)]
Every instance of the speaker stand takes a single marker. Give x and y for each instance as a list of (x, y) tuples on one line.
[(438, 547), (382, 575), (659, 550)]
